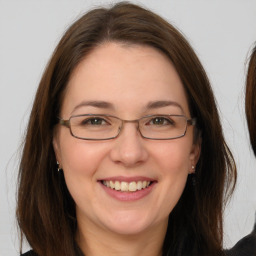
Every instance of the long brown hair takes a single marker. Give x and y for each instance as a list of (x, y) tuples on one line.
[(250, 102), (46, 212)]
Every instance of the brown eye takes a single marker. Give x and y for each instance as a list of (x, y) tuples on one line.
[(159, 120), (94, 121)]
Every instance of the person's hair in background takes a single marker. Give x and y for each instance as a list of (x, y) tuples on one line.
[(247, 245), (250, 102), (46, 211)]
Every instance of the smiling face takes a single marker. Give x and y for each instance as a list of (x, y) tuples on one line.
[(128, 82)]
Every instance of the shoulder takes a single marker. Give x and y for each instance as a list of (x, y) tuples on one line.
[(29, 253), (246, 246)]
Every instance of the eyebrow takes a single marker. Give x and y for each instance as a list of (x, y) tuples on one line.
[(163, 103), (108, 105), (94, 103)]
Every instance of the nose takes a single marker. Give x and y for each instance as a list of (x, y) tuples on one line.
[(129, 147)]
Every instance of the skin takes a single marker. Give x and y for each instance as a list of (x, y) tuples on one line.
[(128, 78)]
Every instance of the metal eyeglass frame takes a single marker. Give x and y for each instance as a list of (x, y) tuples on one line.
[(66, 123)]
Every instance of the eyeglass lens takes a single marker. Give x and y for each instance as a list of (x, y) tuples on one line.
[(100, 127)]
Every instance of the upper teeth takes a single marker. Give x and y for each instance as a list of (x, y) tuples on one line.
[(126, 186)]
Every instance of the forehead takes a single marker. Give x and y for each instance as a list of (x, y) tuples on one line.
[(124, 74)]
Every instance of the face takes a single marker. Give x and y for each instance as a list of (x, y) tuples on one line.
[(127, 82)]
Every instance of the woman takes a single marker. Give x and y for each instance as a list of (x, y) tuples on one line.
[(124, 152)]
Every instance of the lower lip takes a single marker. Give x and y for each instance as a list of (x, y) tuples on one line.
[(128, 196)]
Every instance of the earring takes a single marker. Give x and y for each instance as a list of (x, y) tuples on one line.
[(193, 178), (58, 166)]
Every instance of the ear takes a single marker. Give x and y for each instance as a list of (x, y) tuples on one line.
[(56, 145), (194, 155)]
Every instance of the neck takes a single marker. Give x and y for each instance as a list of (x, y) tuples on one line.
[(94, 242)]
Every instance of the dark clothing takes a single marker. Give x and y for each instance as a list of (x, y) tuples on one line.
[(244, 247), (30, 253)]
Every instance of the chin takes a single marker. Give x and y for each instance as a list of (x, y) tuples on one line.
[(130, 223), (128, 230)]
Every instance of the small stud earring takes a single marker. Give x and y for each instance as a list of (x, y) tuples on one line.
[(193, 176), (58, 166)]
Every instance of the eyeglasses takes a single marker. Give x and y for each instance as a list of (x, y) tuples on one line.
[(106, 127)]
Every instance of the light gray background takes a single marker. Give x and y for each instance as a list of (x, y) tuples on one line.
[(221, 32)]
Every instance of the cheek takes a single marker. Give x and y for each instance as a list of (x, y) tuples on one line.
[(174, 171), (80, 162), (81, 158), (173, 163), (173, 157)]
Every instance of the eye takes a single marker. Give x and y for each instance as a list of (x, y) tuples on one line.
[(161, 120), (94, 121)]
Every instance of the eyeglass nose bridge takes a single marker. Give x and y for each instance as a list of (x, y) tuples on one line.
[(123, 121)]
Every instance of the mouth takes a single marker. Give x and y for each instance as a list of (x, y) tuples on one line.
[(123, 186)]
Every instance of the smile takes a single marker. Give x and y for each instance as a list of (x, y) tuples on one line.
[(124, 186)]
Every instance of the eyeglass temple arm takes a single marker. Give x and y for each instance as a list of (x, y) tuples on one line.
[(192, 121), (64, 122)]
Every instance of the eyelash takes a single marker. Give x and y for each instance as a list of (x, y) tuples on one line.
[(88, 120), (100, 121), (168, 121)]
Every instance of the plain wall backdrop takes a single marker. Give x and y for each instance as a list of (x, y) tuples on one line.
[(221, 31)]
